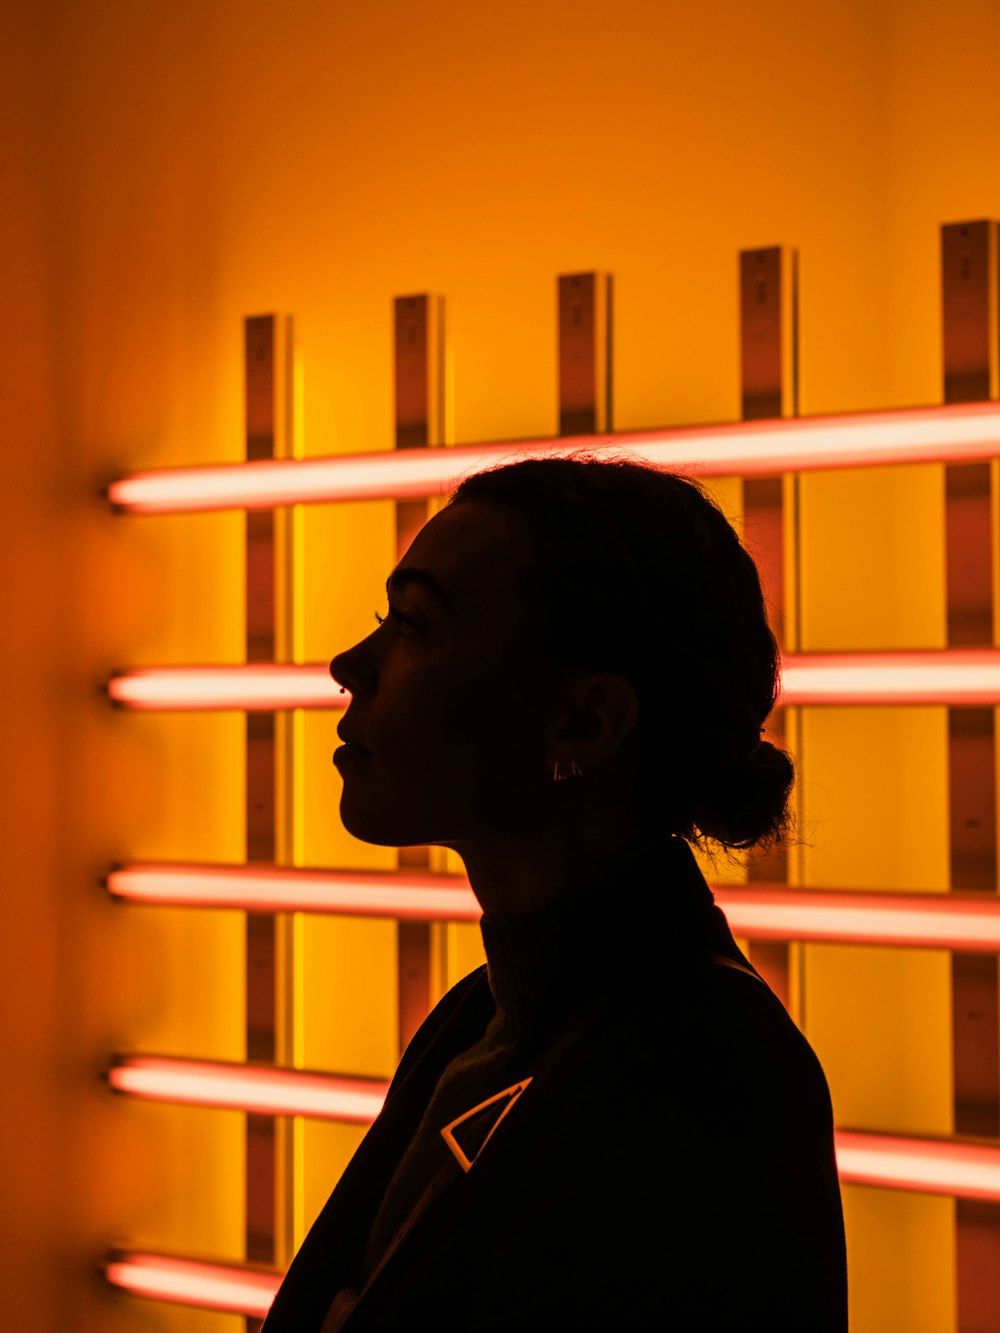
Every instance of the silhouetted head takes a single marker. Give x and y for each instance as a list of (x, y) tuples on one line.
[(598, 610)]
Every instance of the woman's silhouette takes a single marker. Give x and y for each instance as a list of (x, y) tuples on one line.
[(615, 1124)]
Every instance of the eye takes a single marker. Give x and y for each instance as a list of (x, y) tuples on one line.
[(395, 615)]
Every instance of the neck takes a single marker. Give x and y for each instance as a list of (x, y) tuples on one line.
[(511, 877)]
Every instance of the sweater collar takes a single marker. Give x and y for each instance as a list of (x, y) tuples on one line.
[(649, 903)]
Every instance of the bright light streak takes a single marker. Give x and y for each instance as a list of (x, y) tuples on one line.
[(964, 1170), (969, 676), (263, 1091), (759, 911), (427, 897), (257, 687), (957, 676), (961, 432), (971, 1171), (240, 1290), (920, 920)]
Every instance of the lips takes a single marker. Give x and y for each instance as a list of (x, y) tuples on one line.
[(349, 740)]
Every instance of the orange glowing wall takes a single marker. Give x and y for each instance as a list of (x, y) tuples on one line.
[(173, 168)]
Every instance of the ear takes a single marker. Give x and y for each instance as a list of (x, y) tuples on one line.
[(600, 715)]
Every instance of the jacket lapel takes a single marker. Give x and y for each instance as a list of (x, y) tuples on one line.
[(329, 1256)]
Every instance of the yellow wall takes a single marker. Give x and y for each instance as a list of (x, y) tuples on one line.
[(174, 167)]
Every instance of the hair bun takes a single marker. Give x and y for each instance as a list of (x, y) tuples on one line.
[(744, 801)]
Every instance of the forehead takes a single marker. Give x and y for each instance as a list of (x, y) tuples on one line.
[(475, 550)]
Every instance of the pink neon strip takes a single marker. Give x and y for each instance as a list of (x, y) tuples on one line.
[(937, 1166), (956, 433), (762, 912), (256, 687), (230, 1287), (925, 1166), (969, 676), (249, 1088), (887, 1161), (971, 1171), (918, 920), (424, 897)]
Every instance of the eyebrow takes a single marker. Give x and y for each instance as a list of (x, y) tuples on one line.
[(399, 579)]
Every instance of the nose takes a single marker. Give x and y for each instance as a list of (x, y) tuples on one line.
[(356, 664), (338, 675), (343, 674)]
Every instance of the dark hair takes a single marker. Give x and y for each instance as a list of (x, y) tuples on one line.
[(639, 572)]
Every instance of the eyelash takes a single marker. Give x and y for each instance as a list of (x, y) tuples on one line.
[(396, 616)]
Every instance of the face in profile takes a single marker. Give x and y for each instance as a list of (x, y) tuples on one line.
[(449, 697)]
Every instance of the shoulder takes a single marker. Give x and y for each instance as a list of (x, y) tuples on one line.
[(759, 1173), (688, 1143), (683, 1097), (741, 1046)]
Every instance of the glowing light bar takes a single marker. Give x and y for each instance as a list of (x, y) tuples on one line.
[(423, 897), (258, 687), (760, 912), (969, 676), (212, 1286), (961, 432), (971, 1171), (957, 676), (838, 916), (264, 1091)]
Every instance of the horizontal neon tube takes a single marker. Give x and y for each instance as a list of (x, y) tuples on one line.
[(212, 1286), (961, 432), (970, 1171), (957, 676), (888, 1161), (256, 687), (429, 897), (937, 1166), (918, 920), (760, 912), (264, 1091), (922, 1165), (960, 676)]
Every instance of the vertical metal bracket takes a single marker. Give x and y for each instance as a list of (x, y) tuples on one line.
[(969, 339), (768, 280), (969, 311), (419, 399), (585, 353), (268, 352), (769, 332)]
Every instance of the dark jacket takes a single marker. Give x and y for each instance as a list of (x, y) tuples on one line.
[(670, 1165)]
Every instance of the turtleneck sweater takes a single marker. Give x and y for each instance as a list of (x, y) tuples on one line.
[(542, 967), (676, 1125)]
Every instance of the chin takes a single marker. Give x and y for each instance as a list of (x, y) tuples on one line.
[(381, 829), (385, 820)]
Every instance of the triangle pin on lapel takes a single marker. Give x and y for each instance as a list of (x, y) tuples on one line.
[(468, 1134)]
